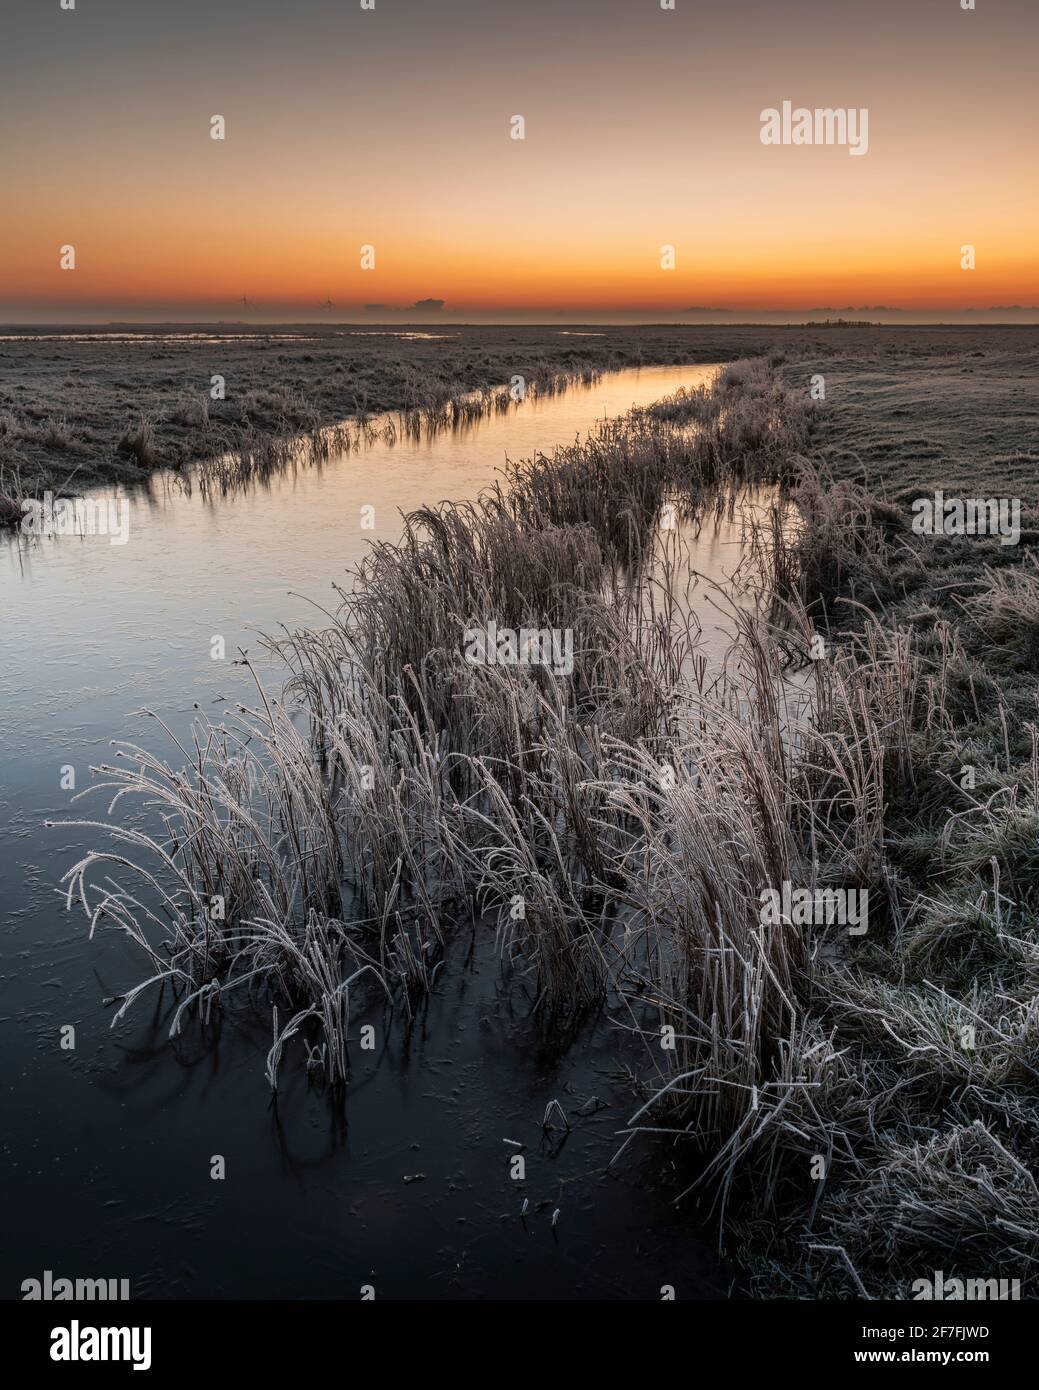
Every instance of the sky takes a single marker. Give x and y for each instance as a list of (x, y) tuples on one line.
[(390, 127)]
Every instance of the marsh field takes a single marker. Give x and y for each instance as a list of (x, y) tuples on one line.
[(556, 841)]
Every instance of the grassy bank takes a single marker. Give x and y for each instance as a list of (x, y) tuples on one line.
[(77, 412), (107, 409), (859, 1109)]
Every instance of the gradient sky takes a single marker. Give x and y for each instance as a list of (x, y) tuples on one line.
[(390, 127)]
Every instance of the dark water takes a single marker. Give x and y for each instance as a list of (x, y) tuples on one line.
[(107, 1148)]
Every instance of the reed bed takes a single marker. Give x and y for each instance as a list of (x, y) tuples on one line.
[(616, 822)]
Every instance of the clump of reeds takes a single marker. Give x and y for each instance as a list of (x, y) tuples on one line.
[(1007, 608), (688, 405), (192, 412), (833, 541), (11, 498), (960, 1192), (53, 434), (137, 442)]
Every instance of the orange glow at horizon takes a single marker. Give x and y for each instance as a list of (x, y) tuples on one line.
[(636, 139), (286, 273), (205, 254)]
